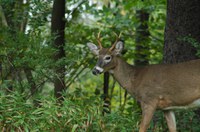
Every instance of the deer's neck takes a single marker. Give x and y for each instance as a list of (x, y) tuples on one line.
[(124, 73)]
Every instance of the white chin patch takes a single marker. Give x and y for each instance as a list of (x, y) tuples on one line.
[(99, 69)]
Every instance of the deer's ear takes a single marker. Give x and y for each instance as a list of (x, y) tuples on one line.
[(119, 47), (93, 48)]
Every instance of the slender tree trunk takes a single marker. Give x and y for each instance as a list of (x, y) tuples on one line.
[(142, 38), (105, 91), (30, 79), (57, 28), (106, 97)]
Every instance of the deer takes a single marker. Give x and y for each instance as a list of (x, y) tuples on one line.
[(163, 87)]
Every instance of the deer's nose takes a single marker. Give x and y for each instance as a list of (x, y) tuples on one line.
[(97, 70)]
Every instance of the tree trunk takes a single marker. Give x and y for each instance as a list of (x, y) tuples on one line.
[(142, 38), (182, 21), (106, 96), (30, 80), (57, 28)]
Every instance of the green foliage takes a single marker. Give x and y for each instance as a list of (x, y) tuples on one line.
[(193, 42), (78, 112), (188, 121), (26, 43), (75, 114)]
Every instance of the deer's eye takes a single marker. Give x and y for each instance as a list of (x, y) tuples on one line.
[(107, 58)]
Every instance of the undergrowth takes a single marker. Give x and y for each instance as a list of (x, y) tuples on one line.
[(74, 114), (79, 114)]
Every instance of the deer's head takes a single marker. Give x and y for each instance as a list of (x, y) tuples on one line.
[(106, 56)]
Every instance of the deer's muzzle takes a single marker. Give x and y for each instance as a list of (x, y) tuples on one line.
[(97, 70)]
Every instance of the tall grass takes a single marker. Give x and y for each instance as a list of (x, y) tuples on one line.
[(74, 114), (79, 114)]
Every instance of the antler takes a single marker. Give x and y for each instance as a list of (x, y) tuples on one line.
[(99, 40), (117, 39)]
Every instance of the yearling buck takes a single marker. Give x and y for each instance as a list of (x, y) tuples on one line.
[(163, 86)]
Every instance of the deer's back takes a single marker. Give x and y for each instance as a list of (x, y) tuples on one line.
[(174, 84)]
